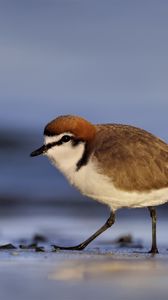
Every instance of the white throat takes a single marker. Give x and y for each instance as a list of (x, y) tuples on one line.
[(66, 156)]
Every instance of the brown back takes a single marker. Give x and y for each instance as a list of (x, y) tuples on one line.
[(134, 159)]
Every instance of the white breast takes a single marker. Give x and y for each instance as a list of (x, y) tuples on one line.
[(100, 187)]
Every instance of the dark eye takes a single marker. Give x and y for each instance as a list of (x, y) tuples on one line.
[(65, 138)]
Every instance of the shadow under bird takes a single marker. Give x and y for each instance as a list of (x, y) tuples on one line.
[(119, 165)]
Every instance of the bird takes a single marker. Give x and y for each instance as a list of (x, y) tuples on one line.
[(122, 166)]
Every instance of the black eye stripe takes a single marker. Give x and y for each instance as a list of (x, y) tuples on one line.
[(63, 140), (50, 145)]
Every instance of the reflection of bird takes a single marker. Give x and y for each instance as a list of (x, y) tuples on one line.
[(119, 165)]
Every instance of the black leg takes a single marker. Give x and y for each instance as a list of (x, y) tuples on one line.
[(81, 246), (154, 248)]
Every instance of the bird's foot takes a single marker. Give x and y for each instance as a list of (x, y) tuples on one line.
[(78, 247), (154, 250)]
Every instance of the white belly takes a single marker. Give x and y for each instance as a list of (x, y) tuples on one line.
[(100, 188)]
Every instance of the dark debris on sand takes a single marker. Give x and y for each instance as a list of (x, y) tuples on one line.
[(37, 243), (32, 245), (7, 247)]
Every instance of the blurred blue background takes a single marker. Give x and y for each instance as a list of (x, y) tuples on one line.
[(104, 60)]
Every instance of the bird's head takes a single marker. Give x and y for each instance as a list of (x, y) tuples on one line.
[(65, 140)]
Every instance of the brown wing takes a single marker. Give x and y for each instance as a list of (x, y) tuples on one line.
[(135, 159)]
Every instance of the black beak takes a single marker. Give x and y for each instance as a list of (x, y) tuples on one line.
[(39, 151)]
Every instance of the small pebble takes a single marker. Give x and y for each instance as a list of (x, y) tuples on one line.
[(7, 247), (31, 246), (39, 249)]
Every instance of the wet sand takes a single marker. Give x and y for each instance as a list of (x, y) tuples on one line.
[(109, 268)]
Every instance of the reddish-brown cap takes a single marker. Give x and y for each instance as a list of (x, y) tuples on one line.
[(78, 126)]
